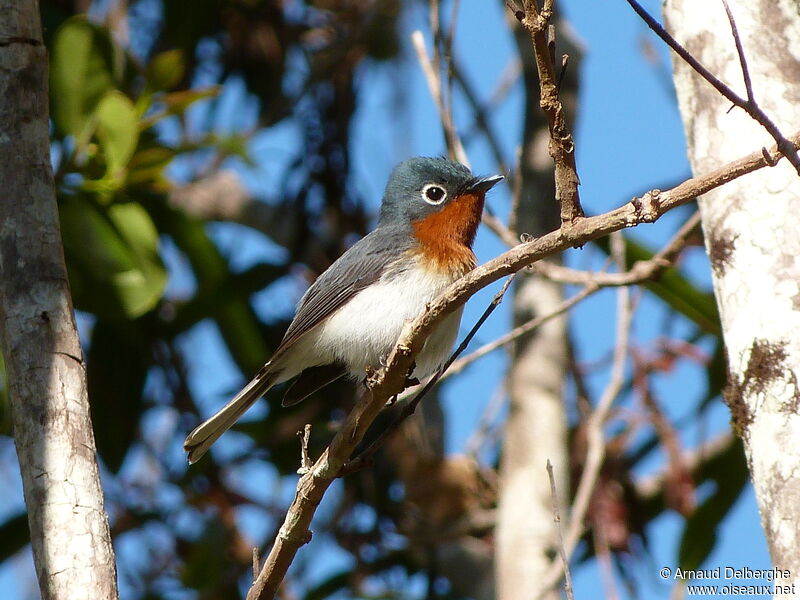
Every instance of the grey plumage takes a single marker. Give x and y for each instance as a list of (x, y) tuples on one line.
[(321, 332), (363, 264)]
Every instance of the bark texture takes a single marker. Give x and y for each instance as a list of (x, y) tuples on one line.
[(751, 230), (536, 429), (46, 375)]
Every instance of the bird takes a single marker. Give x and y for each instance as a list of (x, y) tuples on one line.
[(350, 318)]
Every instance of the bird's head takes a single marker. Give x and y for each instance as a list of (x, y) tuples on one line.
[(436, 192)]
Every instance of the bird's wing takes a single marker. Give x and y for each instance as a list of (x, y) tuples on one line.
[(362, 265)]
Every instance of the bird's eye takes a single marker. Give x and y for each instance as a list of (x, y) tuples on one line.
[(433, 194)]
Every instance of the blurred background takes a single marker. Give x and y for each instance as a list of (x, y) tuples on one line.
[(212, 157)]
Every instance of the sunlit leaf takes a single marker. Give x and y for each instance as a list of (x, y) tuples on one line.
[(117, 130), (176, 103), (112, 257), (165, 70), (81, 73)]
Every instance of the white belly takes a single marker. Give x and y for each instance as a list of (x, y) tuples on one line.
[(363, 331)]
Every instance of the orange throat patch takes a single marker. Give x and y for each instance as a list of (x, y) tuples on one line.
[(445, 237)]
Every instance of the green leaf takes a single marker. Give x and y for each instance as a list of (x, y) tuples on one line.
[(81, 72), (176, 103), (148, 164), (117, 130), (112, 257), (14, 535), (165, 70), (117, 364)]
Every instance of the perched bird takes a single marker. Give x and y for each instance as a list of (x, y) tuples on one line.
[(353, 314)]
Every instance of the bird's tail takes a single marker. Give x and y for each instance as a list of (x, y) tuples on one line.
[(200, 439)]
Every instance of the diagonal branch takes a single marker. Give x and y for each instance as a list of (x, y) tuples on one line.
[(388, 381), (786, 147), (593, 282), (366, 456), (639, 272)]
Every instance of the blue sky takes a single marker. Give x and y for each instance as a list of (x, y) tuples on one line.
[(629, 139)]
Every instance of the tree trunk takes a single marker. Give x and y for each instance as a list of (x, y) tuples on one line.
[(751, 231), (46, 375), (536, 430)]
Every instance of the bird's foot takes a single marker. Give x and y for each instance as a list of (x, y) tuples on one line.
[(372, 377), (410, 381)]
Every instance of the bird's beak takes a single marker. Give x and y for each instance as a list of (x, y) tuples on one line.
[(484, 184)]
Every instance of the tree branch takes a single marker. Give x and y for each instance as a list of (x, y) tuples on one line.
[(454, 146), (639, 272), (562, 145), (557, 518), (389, 380), (784, 145), (593, 282)]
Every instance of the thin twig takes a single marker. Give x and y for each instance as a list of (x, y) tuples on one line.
[(486, 423), (516, 192), (651, 486), (595, 452), (748, 84), (305, 460), (593, 282), (557, 519), (447, 51), (785, 146), (453, 141), (481, 117), (500, 230), (562, 144), (518, 13), (639, 272), (455, 147), (521, 330)]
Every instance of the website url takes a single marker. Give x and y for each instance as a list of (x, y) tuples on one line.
[(738, 590)]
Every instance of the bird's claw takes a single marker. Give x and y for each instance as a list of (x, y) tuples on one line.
[(411, 381), (372, 377)]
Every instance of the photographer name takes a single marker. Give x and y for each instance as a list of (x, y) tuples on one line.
[(731, 573)]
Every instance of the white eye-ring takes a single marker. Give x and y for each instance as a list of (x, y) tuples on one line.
[(434, 194)]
